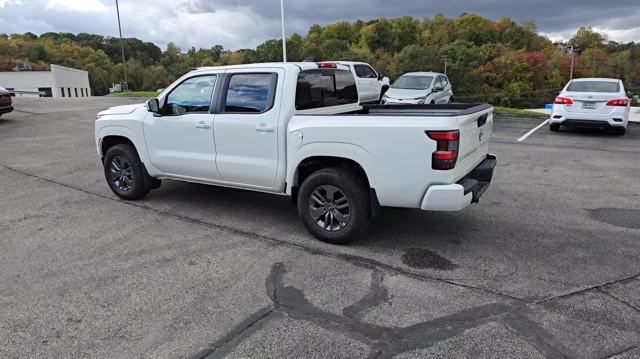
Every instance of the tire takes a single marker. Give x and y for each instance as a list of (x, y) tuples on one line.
[(321, 205), (554, 127), (126, 174), (620, 131)]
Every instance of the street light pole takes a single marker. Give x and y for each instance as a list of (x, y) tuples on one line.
[(284, 36), (124, 61)]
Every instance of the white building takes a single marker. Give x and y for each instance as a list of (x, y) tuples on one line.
[(59, 82)]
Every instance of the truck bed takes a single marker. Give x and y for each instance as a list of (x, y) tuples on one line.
[(457, 109)]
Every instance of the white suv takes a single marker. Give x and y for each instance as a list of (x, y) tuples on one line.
[(371, 85), (592, 102)]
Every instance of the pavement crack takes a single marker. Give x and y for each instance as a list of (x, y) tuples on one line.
[(584, 290), (615, 297), (234, 337), (620, 352)]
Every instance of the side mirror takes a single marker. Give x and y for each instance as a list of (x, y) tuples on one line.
[(630, 94), (380, 77), (438, 89), (153, 105)]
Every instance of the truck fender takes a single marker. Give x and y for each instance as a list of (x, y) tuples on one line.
[(347, 151), (136, 140)]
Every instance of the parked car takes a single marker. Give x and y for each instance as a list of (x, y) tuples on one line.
[(371, 85), (592, 102), (297, 130), (420, 88), (5, 101)]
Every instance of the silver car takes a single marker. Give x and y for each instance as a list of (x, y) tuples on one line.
[(417, 88)]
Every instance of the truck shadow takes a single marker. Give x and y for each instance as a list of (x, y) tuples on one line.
[(276, 216)]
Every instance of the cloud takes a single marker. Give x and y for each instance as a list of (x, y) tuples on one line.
[(246, 23), (77, 5)]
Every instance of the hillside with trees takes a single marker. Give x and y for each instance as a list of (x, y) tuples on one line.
[(499, 61)]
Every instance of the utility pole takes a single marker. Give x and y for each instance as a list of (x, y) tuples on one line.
[(124, 61), (446, 62), (573, 59), (284, 36)]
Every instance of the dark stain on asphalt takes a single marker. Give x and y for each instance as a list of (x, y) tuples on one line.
[(627, 218), (385, 342), (425, 259)]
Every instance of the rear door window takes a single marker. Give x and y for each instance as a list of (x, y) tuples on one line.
[(594, 86), (324, 88), (250, 93), (365, 72)]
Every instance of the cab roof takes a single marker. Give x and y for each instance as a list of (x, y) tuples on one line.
[(284, 65)]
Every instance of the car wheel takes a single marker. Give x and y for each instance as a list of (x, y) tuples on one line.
[(621, 131), (554, 127), (125, 173), (334, 205)]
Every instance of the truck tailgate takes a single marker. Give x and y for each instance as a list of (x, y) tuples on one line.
[(475, 133)]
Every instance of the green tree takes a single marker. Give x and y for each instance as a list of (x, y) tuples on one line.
[(378, 35)]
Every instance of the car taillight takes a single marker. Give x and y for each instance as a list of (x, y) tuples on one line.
[(619, 102), (327, 65), (446, 154), (563, 101)]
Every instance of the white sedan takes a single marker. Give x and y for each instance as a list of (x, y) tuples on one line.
[(592, 102), (417, 88)]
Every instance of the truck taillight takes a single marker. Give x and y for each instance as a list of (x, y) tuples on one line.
[(446, 154), (619, 102), (563, 101)]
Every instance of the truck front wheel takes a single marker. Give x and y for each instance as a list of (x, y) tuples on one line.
[(125, 173), (334, 205)]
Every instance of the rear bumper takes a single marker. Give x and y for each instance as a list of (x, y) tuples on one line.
[(456, 197), (5, 109), (618, 117)]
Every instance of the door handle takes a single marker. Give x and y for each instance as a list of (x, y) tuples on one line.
[(203, 125), (264, 128)]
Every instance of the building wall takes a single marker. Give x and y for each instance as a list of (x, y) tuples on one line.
[(73, 82), (27, 81)]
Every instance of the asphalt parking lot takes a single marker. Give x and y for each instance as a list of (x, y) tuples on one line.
[(547, 265)]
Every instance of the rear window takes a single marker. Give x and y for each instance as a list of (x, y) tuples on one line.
[(594, 86), (324, 88)]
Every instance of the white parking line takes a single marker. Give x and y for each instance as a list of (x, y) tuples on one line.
[(532, 131)]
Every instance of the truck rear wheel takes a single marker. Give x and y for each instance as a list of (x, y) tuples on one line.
[(125, 173), (334, 205)]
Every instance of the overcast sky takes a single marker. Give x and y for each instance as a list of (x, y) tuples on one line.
[(244, 23)]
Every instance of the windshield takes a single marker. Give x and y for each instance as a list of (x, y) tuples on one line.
[(413, 82), (594, 86)]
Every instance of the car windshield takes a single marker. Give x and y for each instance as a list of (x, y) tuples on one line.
[(594, 86), (413, 82)]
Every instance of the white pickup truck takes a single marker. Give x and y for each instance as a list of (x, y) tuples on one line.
[(296, 129)]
